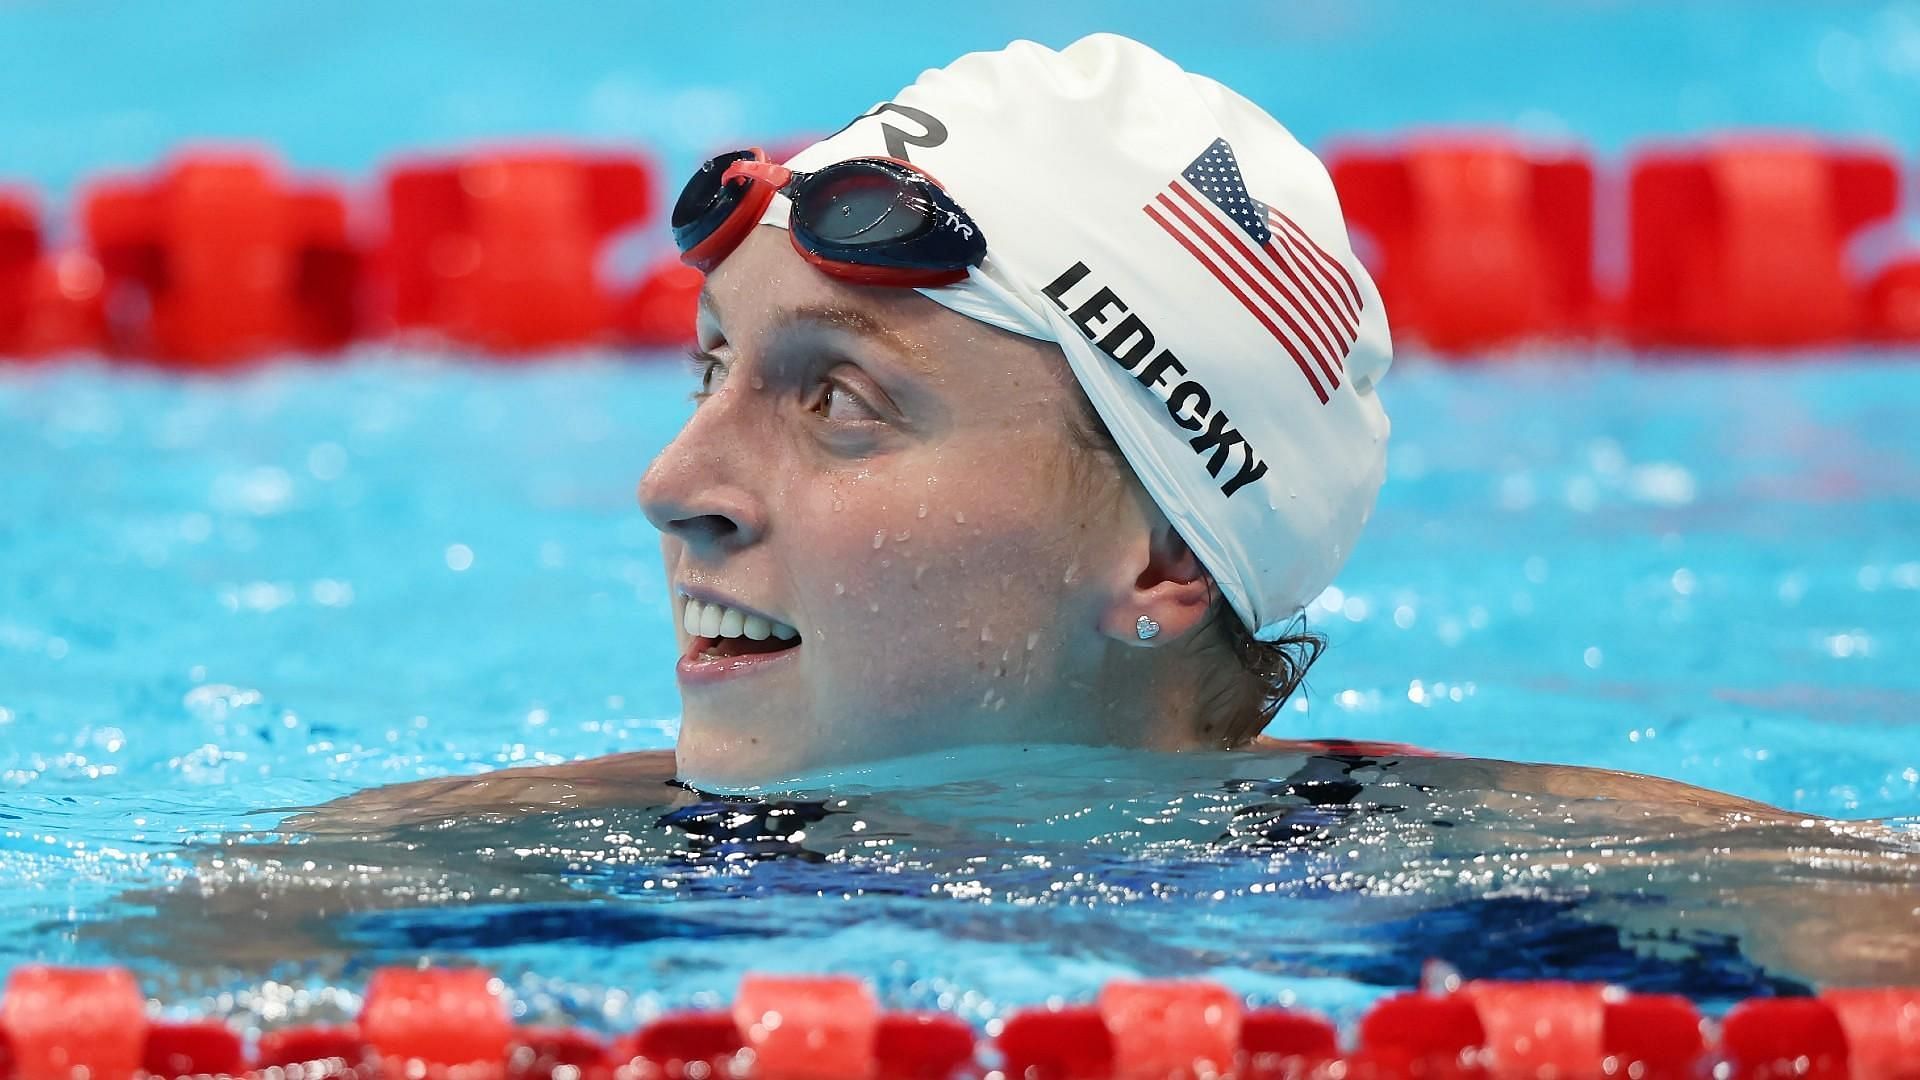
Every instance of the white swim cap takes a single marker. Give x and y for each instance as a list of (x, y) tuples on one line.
[(1189, 257)]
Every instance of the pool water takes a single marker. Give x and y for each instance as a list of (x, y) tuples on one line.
[(224, 597)]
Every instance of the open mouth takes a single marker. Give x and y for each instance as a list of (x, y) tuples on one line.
[(705, 648), (719, 632)]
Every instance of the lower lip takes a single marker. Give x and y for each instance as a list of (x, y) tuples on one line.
[(697, 671)]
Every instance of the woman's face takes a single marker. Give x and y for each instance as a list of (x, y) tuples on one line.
[(871, 509)]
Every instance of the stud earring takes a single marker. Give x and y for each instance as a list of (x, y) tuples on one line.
[(1146, 628)]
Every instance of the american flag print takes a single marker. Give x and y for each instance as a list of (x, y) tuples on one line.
[(1300, 293)]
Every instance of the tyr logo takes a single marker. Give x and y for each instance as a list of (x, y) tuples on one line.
[(932, 132)]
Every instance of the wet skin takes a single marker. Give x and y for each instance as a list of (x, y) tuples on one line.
[(891, 480)]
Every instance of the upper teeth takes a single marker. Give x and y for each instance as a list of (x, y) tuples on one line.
[(701, 619)]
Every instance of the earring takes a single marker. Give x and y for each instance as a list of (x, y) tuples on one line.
[(1145, 627)]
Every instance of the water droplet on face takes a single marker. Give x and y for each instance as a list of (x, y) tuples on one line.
[(1072, 567), (919, 572), (874, 607), (757, 383), (839, 589), (959, 518), (903, 536), (1033, 639), (923, 510), (879, 537), (986, 633)]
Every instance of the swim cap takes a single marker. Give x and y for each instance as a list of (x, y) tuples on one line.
[(1188, 255)]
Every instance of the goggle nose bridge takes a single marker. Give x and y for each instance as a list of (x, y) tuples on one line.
[(777, 176)]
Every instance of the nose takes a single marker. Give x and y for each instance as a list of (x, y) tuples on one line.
[(695, 490)]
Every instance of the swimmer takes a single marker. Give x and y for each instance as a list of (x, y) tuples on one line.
[(1032, 407)]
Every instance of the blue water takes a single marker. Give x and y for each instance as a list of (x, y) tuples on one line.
[(91, 86), (269, 590)]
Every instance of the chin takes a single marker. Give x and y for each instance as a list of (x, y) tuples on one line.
[(712, 767), (779, 750), (745, 747)]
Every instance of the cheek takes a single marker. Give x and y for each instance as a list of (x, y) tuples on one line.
[(670, 552), (939, 582), (966, 523)]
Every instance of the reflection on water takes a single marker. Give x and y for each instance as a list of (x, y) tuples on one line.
[(1322, 878), (301, 581)]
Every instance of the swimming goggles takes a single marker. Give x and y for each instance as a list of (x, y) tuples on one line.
[(868, 220)]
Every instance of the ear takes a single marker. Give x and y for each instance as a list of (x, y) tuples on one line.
[(1171, 588)]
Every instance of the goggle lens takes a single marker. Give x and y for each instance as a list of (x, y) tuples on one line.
[(860, 205), (708, 199)]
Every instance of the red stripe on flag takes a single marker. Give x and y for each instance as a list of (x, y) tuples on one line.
[(1333, 263), (1247, 279), (1280, 250), (1305, 368), (1299, 337), (1315, 269), (1320, 253), (1229, 232), (1335, 317)]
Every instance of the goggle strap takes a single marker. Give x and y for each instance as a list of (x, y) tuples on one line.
[(776, 176)]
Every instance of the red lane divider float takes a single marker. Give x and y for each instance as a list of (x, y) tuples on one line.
[(59, 1020), (1479, 243), (19, 252), (59, 1024), (501, 251), (49, 303), (660, 313), (1743, 242), (218, 258)]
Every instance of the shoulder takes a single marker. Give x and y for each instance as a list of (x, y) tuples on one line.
[(1572, 782), (635, 779)]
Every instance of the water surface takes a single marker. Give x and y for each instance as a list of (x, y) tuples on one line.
[(228, 595)]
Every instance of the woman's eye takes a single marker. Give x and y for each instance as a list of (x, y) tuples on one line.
[(839, 403), (709, 371)]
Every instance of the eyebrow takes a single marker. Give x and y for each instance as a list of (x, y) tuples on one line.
[(853, 322), (860, 324), (838, 318)]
